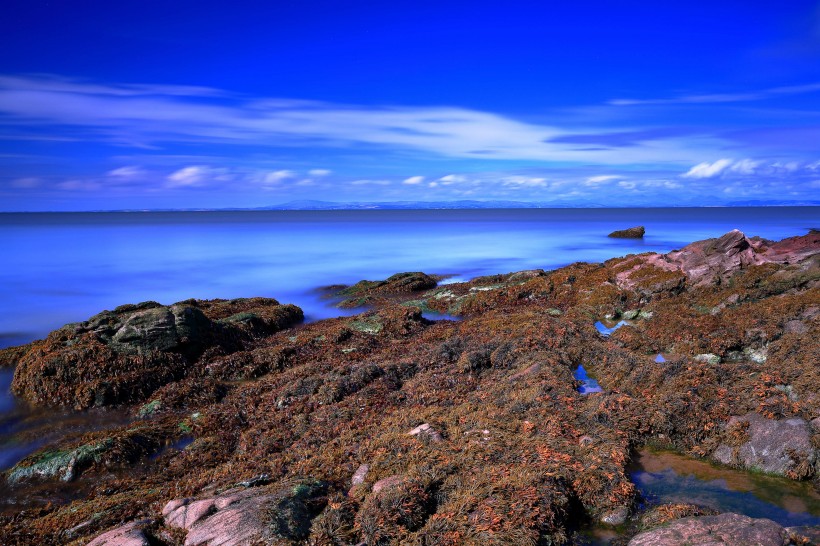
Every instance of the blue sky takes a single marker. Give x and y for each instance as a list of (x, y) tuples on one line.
[(107, 105)]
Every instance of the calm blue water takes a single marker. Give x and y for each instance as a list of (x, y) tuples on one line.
[(60, 268)]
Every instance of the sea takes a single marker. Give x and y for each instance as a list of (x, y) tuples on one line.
[(64, 267)]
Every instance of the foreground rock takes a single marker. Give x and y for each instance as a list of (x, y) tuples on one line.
[(126, 354), (781, 447), (636, 232), (724, 529), (248, 516)]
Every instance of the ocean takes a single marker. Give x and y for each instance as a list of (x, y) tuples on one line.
[(64, 267)]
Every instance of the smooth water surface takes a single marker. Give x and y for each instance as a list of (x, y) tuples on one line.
[(65, 267), (588, 384), (669, 477)]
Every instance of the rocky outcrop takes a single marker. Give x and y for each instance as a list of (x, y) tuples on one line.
[(636, 232), (365, 292), (248, 516), (713, 261), (782, 447), (721, 530), (125, 354)]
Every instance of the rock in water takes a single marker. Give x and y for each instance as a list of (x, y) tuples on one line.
[(722, 530), (636, 232)]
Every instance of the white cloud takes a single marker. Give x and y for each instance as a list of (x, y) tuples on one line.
[(746, 166), (413, 180), (277, 177), (451, 179), (627, 185), (319, 172), (602, 179), (145, 115), (195, 175), (724, 97), (708, 170), (524, 181), (814, 166), (127, 172), (370, 183)]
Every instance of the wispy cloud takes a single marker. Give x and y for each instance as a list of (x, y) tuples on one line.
[(724, 97), (149, 115), (413, 180), (708, 170)]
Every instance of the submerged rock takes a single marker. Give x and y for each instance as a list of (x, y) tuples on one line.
[(724, 529), (636, 232)]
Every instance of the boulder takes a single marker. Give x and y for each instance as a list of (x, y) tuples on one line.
[(725, 529), (249, 516), (367, 292), (130, 534), (636, 232), (781, 447), (427, 431), (124, 355)]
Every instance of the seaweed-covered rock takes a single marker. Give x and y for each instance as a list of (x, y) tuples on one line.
[(364, 292), (126, 354), (636, 232), (781, 447), (725, 529)]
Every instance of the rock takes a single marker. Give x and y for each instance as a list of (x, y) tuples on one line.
[(65, 464), (655, 516), (777, 447), (810, 534), (130, 534), (249, 516), (387, 483), (359, 475), (126, 354), (631, 315), (725, 529), (364, 292), (425, 430), (707, 358), (526, 275), (615, 517), (795, 327), (636, 232)]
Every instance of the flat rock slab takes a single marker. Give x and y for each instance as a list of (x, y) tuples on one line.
[(721, 530)]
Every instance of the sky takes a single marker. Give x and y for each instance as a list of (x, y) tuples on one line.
[(210, 104)]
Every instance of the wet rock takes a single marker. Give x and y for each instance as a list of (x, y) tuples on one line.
[(615, 517), (664, 513), (777, 447), (806, 534), (65, 464), (724, 529), (131, 534), (636, 232)]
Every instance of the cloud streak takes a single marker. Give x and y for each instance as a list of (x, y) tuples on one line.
[(150, 115), (763, 94)]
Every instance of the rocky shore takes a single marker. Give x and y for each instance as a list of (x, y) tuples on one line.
[(246, 426)]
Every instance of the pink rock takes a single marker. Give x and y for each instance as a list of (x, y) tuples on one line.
[(360, 474), (241, 523), (426, 430), (173, 505), (386, 483), (130, 534), (187, 515), (721, 530)]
